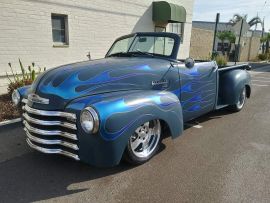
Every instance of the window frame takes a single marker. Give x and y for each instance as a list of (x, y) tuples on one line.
[(182, 31), (66, 30)]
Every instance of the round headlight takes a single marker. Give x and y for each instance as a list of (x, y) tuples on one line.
[(89, 120), (16, 97)]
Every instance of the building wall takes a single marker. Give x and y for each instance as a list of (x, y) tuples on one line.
[(250, 48), (201, 43), (26, 30)]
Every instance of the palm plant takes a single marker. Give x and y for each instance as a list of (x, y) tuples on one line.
[(237, 17), (253, 21)]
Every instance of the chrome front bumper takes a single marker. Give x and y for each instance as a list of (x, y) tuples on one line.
[(51, 132)]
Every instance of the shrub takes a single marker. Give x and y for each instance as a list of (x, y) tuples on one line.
[(262, 57), (25, 77), (221, 60)]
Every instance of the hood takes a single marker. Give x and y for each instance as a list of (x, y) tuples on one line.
[(63, 84)]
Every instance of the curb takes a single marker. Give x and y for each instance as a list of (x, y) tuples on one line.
[(8, 122)]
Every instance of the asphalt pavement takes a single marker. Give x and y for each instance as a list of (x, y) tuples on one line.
[(224, 157)]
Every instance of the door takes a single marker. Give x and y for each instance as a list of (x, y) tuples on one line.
[(198, 89)]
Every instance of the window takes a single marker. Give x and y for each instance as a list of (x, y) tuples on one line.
[(177, 28), (59, 29), (225, 45)]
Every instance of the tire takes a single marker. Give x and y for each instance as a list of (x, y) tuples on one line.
[(144, 143), (241, 101)]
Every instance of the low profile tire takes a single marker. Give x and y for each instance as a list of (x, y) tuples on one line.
[(241, 101), (144, 143)]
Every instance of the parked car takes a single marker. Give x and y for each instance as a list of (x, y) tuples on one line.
[(104, 110)]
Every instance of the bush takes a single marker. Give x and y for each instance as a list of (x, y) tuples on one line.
[(262, 57), (23, 78), (221, 60)]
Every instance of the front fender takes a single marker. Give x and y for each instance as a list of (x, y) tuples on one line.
[(120, 114), (231, 84)]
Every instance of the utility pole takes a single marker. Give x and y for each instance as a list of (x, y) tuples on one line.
[(215, 35), (263, 35)]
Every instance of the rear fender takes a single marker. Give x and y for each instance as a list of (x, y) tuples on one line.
[(231, 84)]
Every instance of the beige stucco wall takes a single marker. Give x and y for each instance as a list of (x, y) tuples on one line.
[(201, 43), (252, 44), (26, 30)]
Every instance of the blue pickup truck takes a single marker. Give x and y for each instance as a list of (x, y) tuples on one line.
[(106, 110)]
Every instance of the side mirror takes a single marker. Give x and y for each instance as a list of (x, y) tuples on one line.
[(189, 62)]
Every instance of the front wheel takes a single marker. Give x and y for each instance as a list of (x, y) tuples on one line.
[(241, 101), (144, 143)]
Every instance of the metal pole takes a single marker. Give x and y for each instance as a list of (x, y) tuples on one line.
[(215, 34), (239, 40)]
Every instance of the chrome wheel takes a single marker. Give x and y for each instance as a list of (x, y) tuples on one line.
[(242, 99), (145, 139)]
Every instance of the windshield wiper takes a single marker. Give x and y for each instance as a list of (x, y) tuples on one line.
[(142, 52), (120, 54)]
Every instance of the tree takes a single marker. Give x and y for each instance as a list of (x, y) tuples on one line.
[(267, 43), (226, 35), (266, 40), (263, 40)]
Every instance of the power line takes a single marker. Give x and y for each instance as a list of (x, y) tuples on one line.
[(263, 7)]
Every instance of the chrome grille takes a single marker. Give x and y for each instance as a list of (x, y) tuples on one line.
[(52, 132)]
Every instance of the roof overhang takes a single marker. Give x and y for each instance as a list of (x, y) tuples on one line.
[(164, 12)]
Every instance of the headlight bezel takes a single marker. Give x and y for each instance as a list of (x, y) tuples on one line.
[(16, 97), (95, 120)]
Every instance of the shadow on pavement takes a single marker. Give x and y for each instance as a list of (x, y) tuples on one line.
[(35, 176), (210, 116)]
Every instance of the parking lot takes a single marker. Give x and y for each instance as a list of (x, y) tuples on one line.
[(221, 157)]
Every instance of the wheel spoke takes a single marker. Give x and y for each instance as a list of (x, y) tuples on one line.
[(144, 145), (146, 124), (135, 144)]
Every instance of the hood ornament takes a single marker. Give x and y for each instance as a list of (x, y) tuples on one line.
[(37, 99)]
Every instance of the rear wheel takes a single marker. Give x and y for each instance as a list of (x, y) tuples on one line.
[(144, 143), (241, 101)]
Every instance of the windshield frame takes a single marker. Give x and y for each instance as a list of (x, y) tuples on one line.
[(151, 34)]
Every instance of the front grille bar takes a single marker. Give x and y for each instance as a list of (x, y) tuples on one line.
[(67, 115), (52, 151), (49, 123), (51, 142), (51, 132)]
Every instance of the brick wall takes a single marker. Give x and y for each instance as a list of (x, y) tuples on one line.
[(26, 30)]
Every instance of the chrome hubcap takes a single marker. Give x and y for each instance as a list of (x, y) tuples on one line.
[(145, 139), (242, 99)]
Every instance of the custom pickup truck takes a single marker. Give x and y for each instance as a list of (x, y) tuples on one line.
[(106, 110)]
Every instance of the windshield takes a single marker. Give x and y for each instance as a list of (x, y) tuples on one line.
[(148, 45)]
